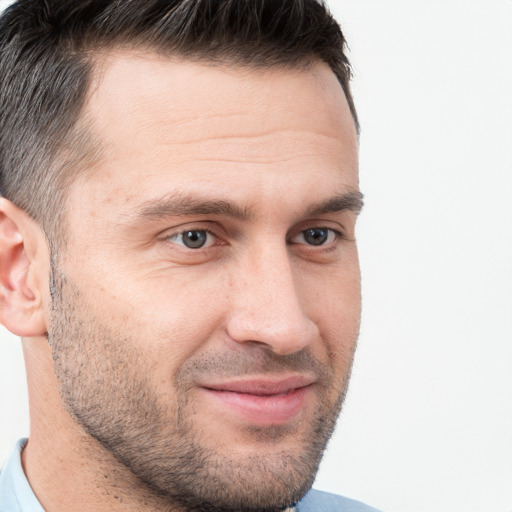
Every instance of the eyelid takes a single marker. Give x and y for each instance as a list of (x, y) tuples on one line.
[(175, 237), (208, 227), (336, 234)]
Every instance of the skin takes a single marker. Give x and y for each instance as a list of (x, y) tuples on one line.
[(122, 355)]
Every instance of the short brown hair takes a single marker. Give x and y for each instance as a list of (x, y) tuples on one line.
[(47, 53)]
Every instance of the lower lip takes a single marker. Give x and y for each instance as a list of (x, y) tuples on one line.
[(264, 410)]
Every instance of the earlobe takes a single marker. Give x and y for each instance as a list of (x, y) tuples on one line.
[(21, 272)]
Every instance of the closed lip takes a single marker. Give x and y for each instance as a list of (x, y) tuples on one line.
[(262, 386), (261, 400)]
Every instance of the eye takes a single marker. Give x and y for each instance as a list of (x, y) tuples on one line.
[(315, 236), (193, 238)]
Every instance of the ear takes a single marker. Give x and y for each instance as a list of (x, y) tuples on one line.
[(24, 270)]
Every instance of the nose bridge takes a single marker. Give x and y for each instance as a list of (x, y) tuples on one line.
[(266, 306)]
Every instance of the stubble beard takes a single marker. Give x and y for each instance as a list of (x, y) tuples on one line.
[(110, 396)]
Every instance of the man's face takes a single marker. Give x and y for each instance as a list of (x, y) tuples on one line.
[(206, 305)]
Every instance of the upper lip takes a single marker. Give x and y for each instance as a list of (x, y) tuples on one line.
[(262, 385)]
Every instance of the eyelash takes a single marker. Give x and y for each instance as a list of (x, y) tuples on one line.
[(201, 229), (337, 235)]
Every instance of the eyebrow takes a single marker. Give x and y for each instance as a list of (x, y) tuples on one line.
[(352, 201), (172, 205)]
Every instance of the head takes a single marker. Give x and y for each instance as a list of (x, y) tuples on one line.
[(180, 191)]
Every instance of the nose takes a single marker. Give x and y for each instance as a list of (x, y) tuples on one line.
[(267, 307)]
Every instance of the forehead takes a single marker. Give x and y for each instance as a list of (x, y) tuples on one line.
[(165, 123)]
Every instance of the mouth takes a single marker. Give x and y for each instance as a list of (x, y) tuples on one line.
[(262, 401)]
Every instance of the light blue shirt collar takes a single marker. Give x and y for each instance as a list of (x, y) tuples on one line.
[(16, 495)]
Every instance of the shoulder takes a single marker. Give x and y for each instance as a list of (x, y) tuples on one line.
[(318, 501)]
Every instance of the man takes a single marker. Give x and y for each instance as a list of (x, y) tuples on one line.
[(180, 192)]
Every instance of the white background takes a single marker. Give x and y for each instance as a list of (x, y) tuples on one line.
[(427, 426)]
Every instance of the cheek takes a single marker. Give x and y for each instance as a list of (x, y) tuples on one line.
[(332, 295), (333, 301), (175, 315)]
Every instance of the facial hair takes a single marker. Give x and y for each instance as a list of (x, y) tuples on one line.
[(105, 384)]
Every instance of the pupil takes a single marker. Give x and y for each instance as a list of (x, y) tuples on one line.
[(194, 239), (316, 236)]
